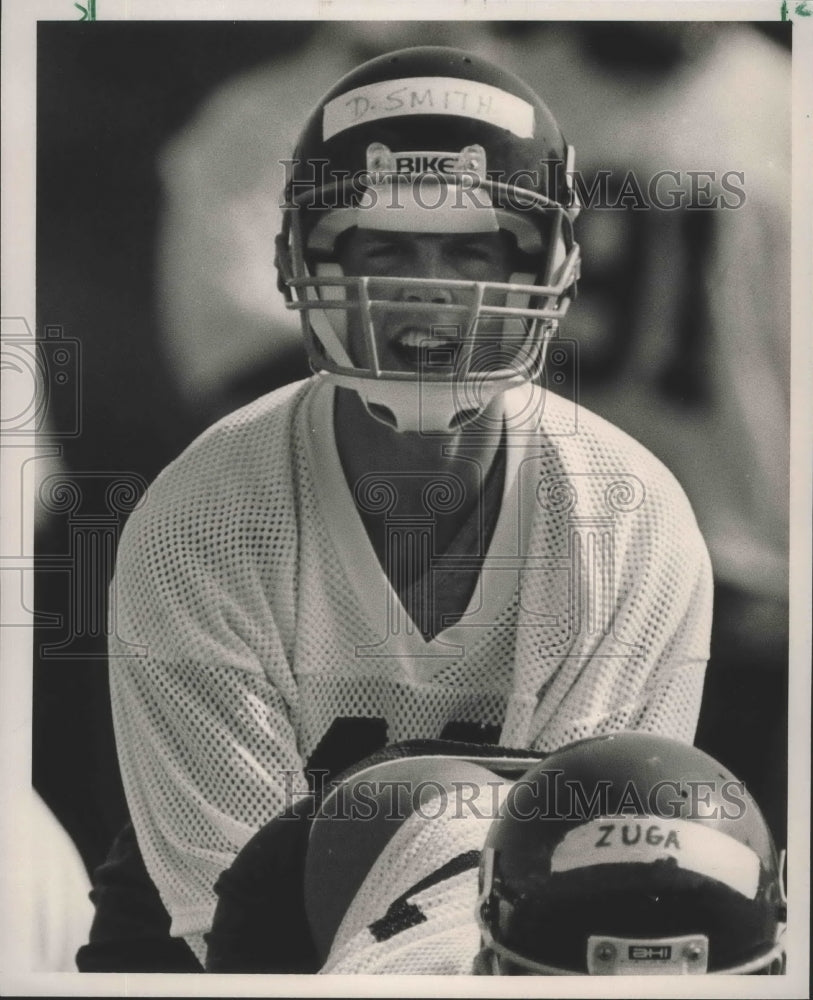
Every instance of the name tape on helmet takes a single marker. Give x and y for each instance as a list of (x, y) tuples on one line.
[(630, 840), (428, 95)]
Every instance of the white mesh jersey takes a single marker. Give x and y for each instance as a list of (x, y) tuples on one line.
[(414, 914), (249, 612)]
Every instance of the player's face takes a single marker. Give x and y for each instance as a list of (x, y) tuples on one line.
[(403, 335)]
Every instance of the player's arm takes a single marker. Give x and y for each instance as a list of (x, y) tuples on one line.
[(669, 699), (203, 719), (664, 591), (643, 668)]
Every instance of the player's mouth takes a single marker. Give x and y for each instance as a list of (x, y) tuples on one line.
[(416, 347)]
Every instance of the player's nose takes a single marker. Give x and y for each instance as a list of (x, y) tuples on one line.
[(431, 266), (434, 294)]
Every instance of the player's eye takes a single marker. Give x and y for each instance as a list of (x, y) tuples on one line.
[(475, 250), (381, 255), (383, 249)]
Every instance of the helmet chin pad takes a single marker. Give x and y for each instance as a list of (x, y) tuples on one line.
[(421, 406), (428, 408)]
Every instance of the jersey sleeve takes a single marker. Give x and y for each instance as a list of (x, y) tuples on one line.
[(670, 696), (629, 645), (664, 609), (204, 702)]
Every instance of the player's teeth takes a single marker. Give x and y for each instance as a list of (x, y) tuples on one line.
[(418, 339)]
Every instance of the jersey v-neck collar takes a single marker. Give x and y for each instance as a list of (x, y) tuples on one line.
[(376, 595)]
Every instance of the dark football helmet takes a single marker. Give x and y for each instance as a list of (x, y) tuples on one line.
[(631, 854), (430, 140)]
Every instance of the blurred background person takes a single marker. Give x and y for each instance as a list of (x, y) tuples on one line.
[(52, 892)]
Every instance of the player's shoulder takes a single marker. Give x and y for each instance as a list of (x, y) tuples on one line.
[(254, 430), (248, 444), (589, 445), (601, 471), (239, 464)]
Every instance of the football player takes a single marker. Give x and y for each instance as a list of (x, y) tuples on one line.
[(625, 854), (422, 540)]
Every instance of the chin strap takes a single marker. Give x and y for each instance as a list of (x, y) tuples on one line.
[(423, 407), (426, 406)]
